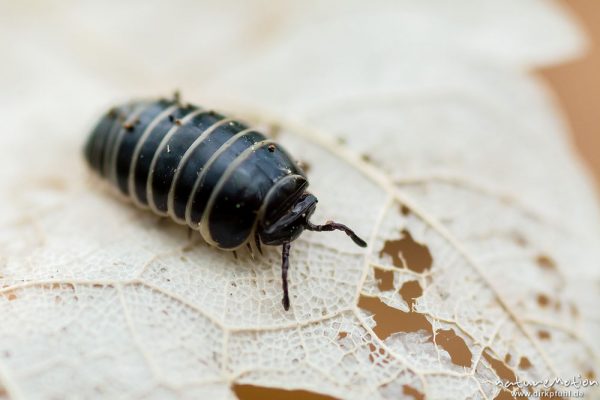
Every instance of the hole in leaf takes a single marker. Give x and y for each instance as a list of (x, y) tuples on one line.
[(455, 346), (524, 363), (543, 300), (504, 395), (546, 262), (251, 392), (416, 255), (544, 335), (410, 291), (385, 279), (341, 335), (414, 393), (390, 320), (378, 356), (505, 374)]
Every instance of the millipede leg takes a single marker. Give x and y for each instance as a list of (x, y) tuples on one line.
[(257, 241), (177, 97), (285, 264)]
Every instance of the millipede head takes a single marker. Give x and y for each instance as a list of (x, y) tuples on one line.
[(290, 225)]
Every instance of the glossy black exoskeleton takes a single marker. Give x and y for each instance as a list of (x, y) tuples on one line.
[(212, 173)]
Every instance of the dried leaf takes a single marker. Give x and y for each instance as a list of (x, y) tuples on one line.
[(421, 131)]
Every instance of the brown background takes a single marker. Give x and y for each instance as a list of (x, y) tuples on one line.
[(577, 85)]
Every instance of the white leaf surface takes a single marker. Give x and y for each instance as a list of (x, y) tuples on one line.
[(421, 128)]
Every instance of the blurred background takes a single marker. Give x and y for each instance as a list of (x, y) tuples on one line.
[(67, 61), (577, 85)]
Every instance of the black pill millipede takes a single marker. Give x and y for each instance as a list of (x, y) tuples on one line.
[(208, 171)]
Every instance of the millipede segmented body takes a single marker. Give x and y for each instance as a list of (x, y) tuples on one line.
[(210, 172)]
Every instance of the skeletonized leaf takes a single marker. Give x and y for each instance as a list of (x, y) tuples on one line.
[(419, 128)]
